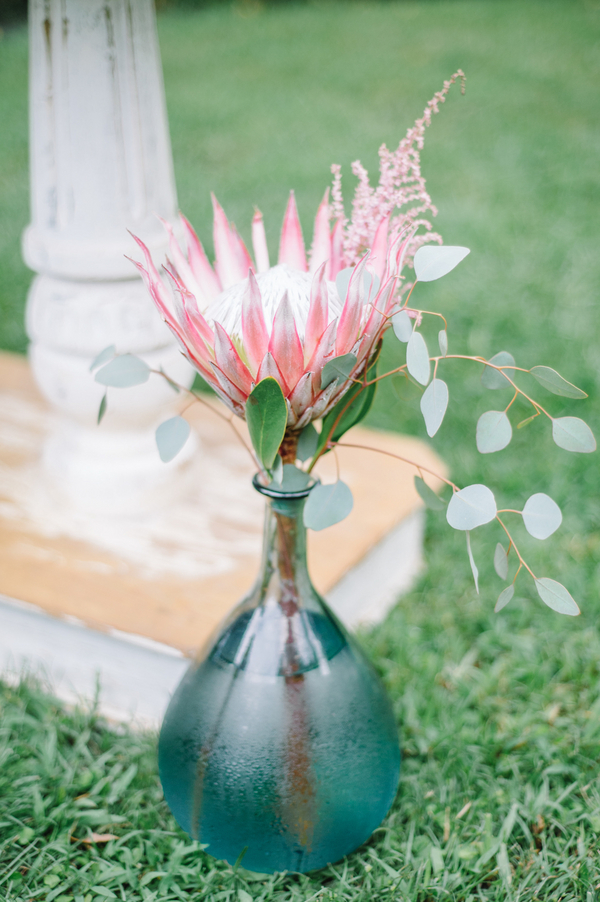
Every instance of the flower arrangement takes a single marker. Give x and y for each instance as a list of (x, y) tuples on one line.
[(289, 345)]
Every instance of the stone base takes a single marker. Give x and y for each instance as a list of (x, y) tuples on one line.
[(127, 596)]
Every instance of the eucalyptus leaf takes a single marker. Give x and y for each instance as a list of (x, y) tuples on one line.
[(434, 404), (292, 479), (474, 569), (427, 494), (472, 506), (554, 382), (494, 379), (417, 358), (371, 283), (541, 515), (170, 382), (402, 325), (443, 342), (266, 415), (431, 261), (102, 408), (501, 561), (573, 434), (327, 505), (124, 372), (338, 368), (104, 355), (556, 596), (307, 443), (494, 431), (342, 281), (171, 436), (504, 597)]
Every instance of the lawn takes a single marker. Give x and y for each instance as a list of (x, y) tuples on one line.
[(500, 714)]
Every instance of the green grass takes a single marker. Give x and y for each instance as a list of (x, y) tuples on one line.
[(502, 711)]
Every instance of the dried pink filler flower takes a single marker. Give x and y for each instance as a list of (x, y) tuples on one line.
[(401, 187)]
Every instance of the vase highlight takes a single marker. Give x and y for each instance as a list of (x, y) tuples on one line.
[(280, 742)]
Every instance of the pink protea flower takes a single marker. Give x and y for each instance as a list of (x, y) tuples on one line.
[(244, 320)]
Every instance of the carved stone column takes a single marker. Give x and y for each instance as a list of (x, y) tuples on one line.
[(100, 164)]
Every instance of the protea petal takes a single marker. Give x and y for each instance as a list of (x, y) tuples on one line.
[(240, 250), (378, 258), (326, 399), (336, 260), (320, 251), (268, 368), (182, 266), (259, 242), (152, 279), (230, 388), (203, 271), (232, 258), (285, 344), (351, 315), (302, 395), (291, 246), (254, 329), (230, 362), (318, 312), (305, 419), (322, 352)]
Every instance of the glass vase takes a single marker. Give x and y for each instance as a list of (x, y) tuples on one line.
[(279, 747)]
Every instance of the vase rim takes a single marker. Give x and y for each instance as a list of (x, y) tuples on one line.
[(280, 495)]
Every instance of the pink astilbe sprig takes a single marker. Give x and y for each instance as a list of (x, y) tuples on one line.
[(401, 188)]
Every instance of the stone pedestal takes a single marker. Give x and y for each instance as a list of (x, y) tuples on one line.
[(100, 164)]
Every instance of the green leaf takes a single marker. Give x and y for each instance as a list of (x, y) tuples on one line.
[(556, 596), (243, 896), (428, 495), (474, 569), (501, 561), (417, 358), (493, 431), (541, 515), (327, 505), (494, 379), (171, 436), (359, 402), (472, 506), (51, 880), (434, 404), (277, 470), (402, 325), (266, 415), (307, 443), (338, 368), (292, 479), (573, 434), (105, 355), (102, 408), (443, 342), (124, 372), (554, 382), (431, 261)]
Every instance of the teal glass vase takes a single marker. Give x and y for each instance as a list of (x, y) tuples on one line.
[(279, 747)]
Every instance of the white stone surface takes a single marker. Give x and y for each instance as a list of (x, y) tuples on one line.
[(100, 164)]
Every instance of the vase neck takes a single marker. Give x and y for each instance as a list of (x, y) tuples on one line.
[(284, 551)]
